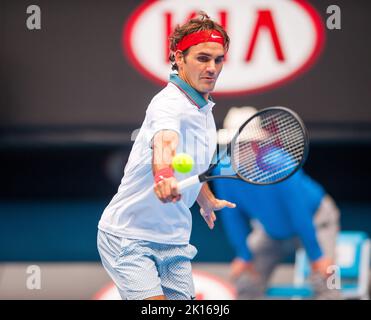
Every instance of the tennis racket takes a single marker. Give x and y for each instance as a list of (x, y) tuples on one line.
[(268, 148)]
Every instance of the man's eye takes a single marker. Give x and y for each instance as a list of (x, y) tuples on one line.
[(203, 59), (219, 60)]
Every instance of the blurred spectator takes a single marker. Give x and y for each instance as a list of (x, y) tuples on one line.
[(284, 216)]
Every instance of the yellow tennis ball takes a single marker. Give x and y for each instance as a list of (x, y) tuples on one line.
[(182, 163)]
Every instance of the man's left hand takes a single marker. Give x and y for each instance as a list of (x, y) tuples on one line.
[(207, 210)]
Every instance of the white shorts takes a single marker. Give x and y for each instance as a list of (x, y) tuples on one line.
[(143, 269)]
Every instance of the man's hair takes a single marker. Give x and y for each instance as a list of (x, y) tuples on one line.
[(200, 23)]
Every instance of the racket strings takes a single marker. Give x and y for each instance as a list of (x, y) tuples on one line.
[(269, 148), (296, 137), (282, 123), (249, 169), (270, 157), (294, 149)]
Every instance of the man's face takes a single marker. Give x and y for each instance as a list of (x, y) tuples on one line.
[(201, 66)]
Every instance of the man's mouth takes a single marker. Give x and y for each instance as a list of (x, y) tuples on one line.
[(208, 78)]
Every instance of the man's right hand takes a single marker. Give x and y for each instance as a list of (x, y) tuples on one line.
[(167, 190)]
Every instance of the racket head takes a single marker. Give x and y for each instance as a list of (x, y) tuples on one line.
[(270, 146)]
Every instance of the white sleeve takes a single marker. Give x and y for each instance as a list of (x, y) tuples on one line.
[(163, 115)]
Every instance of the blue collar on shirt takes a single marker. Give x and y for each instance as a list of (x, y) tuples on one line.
[(193, 95)]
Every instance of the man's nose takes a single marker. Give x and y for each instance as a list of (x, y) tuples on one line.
[(211, 67)]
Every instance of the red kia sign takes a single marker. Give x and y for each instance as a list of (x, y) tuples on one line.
[(272, 41)]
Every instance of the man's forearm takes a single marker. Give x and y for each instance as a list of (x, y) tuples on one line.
[(164, 149), (205, 197), (209, 203)]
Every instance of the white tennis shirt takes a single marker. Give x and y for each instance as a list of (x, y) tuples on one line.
[(135, 212)]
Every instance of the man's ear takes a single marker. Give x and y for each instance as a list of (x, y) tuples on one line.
[(179, 58)]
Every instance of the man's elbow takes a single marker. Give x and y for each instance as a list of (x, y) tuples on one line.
[(166, 138)]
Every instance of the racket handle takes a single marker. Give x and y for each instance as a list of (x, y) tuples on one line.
[(188, 182)]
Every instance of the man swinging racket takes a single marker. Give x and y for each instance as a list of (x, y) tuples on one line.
[(143, 236)]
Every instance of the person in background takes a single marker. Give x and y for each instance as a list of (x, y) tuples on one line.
[(271, 222)]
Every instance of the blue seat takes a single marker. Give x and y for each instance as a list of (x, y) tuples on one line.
[(352, 261)]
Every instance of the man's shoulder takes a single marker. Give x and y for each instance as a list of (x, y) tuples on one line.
[(168, 95), (169, 92)]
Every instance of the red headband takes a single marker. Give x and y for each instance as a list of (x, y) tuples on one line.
[(199, 37)]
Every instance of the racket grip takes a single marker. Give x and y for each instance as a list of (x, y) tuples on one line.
[(188, 182)]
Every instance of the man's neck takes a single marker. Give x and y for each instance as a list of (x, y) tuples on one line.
[(184, 78)]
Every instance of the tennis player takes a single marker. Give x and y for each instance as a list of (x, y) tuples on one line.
[(293, 213), (144, 232)]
